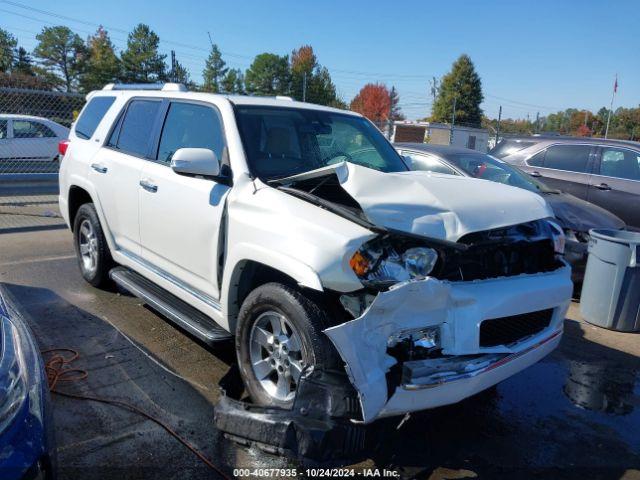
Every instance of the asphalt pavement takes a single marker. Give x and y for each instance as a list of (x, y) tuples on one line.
[(575, 414)]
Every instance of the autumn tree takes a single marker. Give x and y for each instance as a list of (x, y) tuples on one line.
[(310, 80), (269, 74), (8, 44), (103, 65), (463, 84), (63, 55), (141, 60), (215, 70), (373, 101)]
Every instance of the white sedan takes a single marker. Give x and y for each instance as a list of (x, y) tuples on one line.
[(27, 141)]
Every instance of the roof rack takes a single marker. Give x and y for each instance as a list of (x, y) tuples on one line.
[(165, 87)]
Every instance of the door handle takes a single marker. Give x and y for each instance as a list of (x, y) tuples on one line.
[(535, 174), (603, 186), (148, 186), (99, 168)]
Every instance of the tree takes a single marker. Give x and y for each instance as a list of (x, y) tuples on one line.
[(463, 84), (269, 74), (23, 64), (7, 45), (396, 111), (214, 71), (181, 74), (63, 54), (233, 81), (141, 61), (305, 69), (373, 101), (103, 65)]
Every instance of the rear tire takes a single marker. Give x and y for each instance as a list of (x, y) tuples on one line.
[(92, 250), (279, 333)]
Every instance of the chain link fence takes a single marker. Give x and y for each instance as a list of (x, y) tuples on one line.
[(32, 123)]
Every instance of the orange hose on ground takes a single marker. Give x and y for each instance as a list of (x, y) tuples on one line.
[(56, 368)]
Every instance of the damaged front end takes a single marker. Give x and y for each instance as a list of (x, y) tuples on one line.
[(438, 324)]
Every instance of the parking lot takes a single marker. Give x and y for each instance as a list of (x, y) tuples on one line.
[(575, 414)]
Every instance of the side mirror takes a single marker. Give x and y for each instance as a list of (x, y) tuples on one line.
[(195, 161)]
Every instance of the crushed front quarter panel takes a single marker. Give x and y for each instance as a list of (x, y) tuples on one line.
[(459, 307)]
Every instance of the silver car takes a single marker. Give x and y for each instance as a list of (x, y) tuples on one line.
[(29, 144)]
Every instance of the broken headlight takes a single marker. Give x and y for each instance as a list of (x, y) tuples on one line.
[(382, 262)]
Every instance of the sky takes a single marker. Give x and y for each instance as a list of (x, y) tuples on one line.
[(536, 56)]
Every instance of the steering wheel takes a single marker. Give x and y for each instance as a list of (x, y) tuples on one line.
[(339, 153)]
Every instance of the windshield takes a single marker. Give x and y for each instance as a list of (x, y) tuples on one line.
[(479, 165), (509, 147), (280, 142)]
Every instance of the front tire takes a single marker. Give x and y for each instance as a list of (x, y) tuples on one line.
[(279, 333), (92, 251)]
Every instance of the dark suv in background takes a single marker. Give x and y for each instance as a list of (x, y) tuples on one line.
[(604, 172)]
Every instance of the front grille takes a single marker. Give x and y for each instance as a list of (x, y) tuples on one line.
[(526, 248), (506, 330)]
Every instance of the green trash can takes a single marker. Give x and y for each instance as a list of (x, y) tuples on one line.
[(610, 295)]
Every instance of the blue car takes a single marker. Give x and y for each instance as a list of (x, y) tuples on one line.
[(27, 446)]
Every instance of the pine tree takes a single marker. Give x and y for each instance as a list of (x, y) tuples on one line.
[(269, 74), (463, 84), (319, 86), (7, 45), (233, 82), (214, 71), (103, 65), (141, 61), (396, 111), (23, 63), (63, 54)]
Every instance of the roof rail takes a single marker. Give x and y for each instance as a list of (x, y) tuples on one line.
[(284, 97), (165, 87)]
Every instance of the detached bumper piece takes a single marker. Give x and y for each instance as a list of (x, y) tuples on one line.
[(317, 430)]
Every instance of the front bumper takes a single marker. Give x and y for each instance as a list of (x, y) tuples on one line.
[(458, 308)]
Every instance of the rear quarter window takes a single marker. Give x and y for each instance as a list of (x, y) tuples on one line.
[(92, 115), (509, 147)]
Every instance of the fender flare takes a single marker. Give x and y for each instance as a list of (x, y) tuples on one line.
[(242, 253), (81, 182)]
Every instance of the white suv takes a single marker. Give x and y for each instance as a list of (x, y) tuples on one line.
[(299, 229)]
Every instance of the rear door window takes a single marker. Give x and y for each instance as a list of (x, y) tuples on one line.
[(572, 158), (137, 127), (31, 129), (620, 163), (4, 129), (92, 116)]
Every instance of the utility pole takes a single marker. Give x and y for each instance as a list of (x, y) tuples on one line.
[(173, 65), (498, 126), (390, 122), (453, 119), (304, 87), (615, 89), (537, 122)]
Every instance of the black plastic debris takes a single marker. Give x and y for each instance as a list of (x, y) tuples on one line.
[(319, 429)]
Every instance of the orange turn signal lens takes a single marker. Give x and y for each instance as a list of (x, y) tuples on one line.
[(359, 264)]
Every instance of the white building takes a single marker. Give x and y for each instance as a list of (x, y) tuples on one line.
[(440, 133)]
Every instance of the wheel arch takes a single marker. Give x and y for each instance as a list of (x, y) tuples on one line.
[(249, 271)]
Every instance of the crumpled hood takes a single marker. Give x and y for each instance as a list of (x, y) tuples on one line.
[(441, 206), (580, 215)]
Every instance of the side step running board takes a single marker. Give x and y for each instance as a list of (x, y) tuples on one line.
[(175, 309)]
